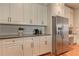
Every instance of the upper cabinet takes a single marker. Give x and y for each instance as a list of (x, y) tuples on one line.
[(69, 15), (60, 9), (16, 13), (44, 15), (4, 12), (35, 14), (57, 9), (28, 14)]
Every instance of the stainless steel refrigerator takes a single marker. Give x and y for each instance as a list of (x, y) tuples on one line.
[(60, 39)]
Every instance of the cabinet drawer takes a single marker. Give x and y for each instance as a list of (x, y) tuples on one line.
[(11, 41)]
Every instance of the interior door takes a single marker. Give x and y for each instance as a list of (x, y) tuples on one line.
[(65, 35), (58, 35)]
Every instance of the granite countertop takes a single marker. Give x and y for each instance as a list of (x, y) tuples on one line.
[(16, 36)]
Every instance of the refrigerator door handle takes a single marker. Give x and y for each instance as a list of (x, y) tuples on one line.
[(62, 34)]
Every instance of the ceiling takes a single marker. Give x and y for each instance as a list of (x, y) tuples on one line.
[(72, 5)]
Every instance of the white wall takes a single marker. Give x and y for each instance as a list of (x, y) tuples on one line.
[(76, 25)]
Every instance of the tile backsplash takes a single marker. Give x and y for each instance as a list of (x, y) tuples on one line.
[(13, 29)]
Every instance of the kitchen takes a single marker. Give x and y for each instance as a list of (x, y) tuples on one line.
[(26, 29)]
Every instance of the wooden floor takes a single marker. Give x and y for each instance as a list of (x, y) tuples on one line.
[(74, 51)]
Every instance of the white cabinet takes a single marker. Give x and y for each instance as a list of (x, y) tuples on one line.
[(11, 50), (35, 14), (4, 13), (28, 13), (11, 47), (27, 46), (71, 18), (44, 15), (35, 46), (1, 50), (40, 15), (69, 15), (57, 9), (16, 13), (31, 46), (49, 43), (45, 44)]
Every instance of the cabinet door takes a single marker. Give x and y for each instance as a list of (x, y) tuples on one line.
[(4, 13), (49, 43), (16, 13), (43, 45), (36, 46), (28, 13), (58, 9), (0, 50), (66, 10), (35, 14), (61, 9), (40, 15), (69, 15), (11, 47), (27, 46), (44, 16), (11, 50)]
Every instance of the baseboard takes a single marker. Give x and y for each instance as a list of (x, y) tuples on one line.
[(46, 54)]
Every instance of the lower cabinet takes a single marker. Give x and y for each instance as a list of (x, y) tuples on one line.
[(11, 47), (31, 46), (0, 50), (45, 44), (28, 46), (36, 46), (13, 50), (49, 43)]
